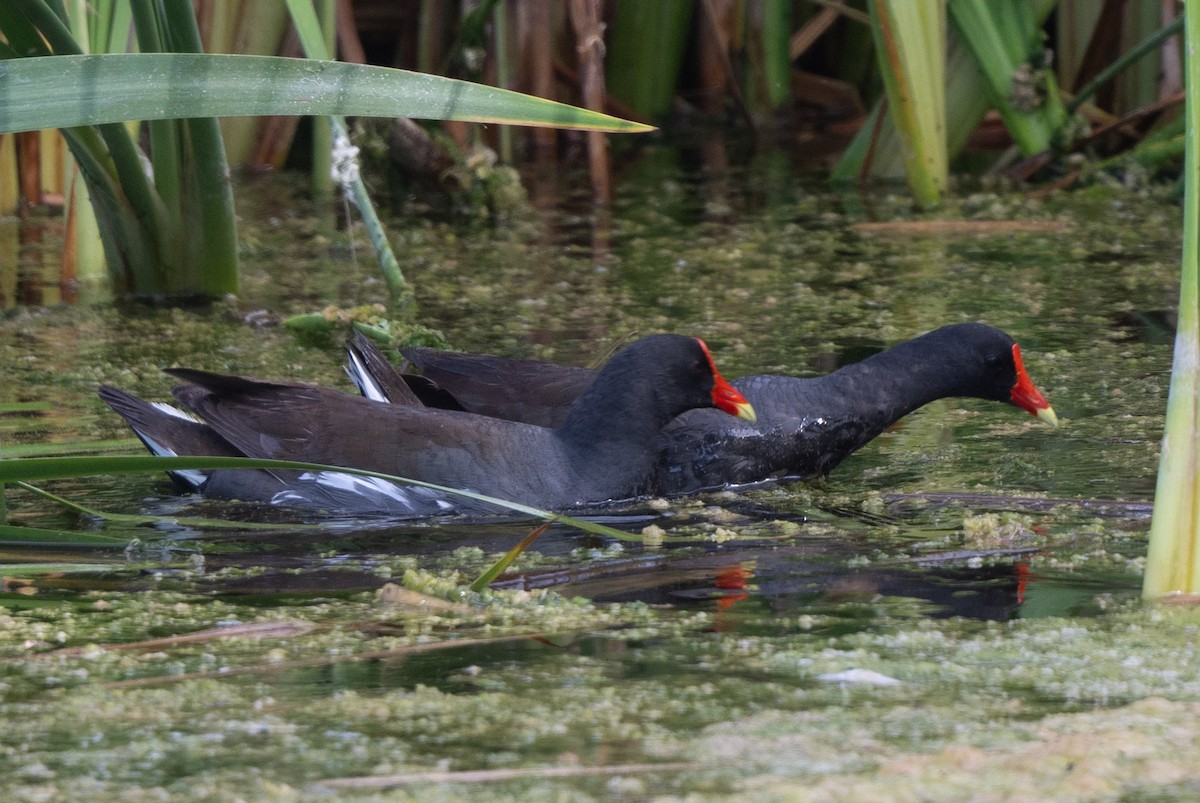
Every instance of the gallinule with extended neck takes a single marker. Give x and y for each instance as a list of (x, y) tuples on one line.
[(805, 427), (605, 447)]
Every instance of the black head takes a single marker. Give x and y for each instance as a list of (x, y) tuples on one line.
[(650, 382), (679, 373), (984, 362)]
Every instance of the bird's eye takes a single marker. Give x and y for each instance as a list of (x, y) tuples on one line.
[(994, 362)]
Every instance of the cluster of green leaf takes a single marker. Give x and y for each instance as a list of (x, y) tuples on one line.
[(173, 234)]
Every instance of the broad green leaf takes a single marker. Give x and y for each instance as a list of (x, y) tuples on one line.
[(68, 91), (910, 40)]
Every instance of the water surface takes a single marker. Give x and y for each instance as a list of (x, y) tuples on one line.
[(988, 563)]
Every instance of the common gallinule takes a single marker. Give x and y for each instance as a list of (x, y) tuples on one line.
[(605, 447), (805, 426)]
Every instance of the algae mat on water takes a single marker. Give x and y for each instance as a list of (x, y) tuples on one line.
[(258, 665), (379, 685)]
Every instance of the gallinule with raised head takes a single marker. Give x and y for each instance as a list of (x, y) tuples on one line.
[(805, 426), (604, 449)]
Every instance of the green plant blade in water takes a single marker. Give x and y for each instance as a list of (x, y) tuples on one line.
[(69, 91), (185, 521), (12, 535), (52, 468), (492, 572), (1173, 560), (40, 569)]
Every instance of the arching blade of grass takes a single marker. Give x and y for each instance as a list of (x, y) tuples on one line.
[(40, 569), (1126, 59), (186, 521), (69, 91), (12, 535), (48, 468), (1173, 561)]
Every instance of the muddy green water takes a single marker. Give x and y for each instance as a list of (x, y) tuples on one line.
[(953, 614)]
